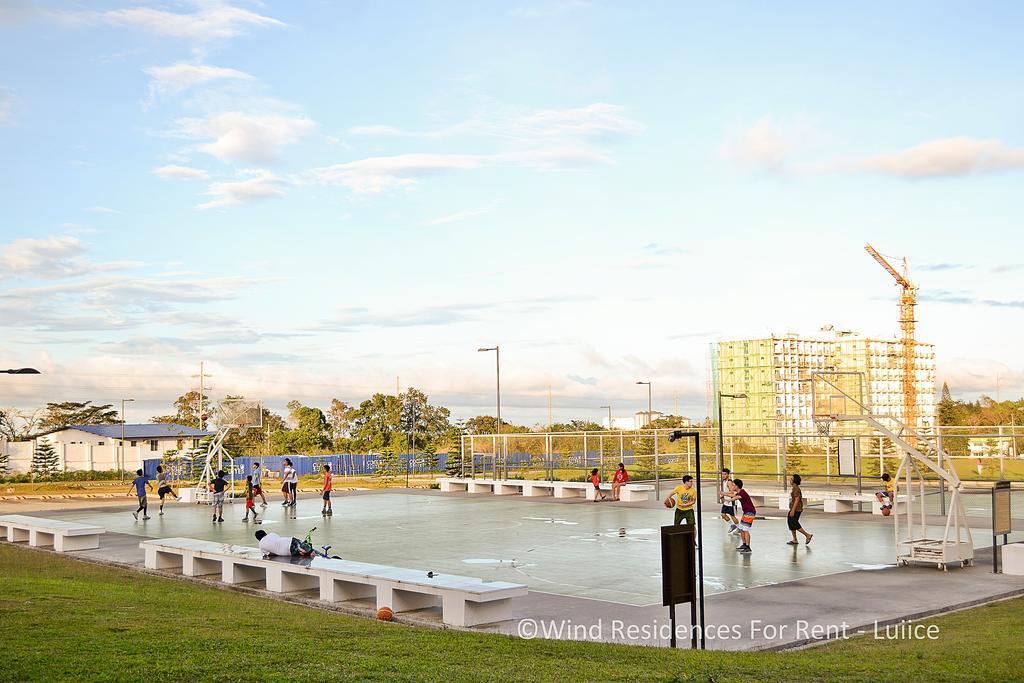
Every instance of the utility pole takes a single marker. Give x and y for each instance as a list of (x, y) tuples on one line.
[(202, 395), (550, 421)]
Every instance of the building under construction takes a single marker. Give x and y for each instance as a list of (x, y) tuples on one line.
[(774, 374)]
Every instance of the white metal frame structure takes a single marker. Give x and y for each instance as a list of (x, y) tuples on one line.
[(232, 413), (832, 403)]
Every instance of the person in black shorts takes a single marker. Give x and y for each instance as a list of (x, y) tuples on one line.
[(218, 484), (728, 506), (796, 506), (163, 486)]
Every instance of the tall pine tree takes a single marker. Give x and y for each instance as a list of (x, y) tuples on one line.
[(44, 460)]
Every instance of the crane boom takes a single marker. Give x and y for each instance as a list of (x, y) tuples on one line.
[(902, 281)]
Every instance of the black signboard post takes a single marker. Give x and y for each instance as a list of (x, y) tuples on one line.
[(682, 561), (1001, 522)]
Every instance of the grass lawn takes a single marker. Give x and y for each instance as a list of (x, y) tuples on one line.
[(64, 619)]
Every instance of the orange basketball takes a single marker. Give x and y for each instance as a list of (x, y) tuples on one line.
[(669, 503), (886, 512), (385, 614)]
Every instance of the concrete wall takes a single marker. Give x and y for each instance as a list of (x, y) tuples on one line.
[(75, 457)]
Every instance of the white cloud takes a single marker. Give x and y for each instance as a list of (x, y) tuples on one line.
[(172, 172), (262, 185), (596, 121), (763, 146), (181, 76), (948, 157), (102, 209), (51, 258), (211, 21), (238, 136), (378, 174)]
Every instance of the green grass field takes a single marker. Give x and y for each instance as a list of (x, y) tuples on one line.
[(64, 619)]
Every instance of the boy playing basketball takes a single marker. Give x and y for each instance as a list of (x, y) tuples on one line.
[(747, 520), (888, 493), (250, 500), (728, 507)]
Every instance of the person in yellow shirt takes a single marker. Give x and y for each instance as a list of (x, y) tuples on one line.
[(685, 499)]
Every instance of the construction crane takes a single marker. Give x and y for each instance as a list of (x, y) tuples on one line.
[(908, 300)]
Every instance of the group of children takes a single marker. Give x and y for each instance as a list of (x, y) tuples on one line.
[(731, 493), (219, 485)]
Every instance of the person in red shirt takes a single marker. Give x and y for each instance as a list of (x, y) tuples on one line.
[(620, 477), (326, 491), (595, 479)]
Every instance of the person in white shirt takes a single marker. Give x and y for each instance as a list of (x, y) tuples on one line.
[(291, 482), (282, 546)]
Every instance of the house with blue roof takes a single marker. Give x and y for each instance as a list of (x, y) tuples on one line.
[(155, 438)]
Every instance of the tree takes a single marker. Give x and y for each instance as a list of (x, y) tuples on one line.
[(573, 426), (488, 424), (186, 410), (60, 415), (44, 459), (256, 441), (5, 463), (398, 422), (310, 434), (387, 466), (17, 425), (453, 460), (427, 458), (339, 417), (420, 421)]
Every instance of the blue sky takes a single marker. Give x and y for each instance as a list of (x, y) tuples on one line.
[(317, 197)]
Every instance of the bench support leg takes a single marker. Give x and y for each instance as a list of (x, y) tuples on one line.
[(200, 566), (16, 535), (234, 572), (337, 590), (403, 601), (62, 544), (458, 611), (39, 539), (156, 559), (281, 581)]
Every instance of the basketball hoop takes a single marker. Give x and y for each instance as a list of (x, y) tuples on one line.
[(823, 423)]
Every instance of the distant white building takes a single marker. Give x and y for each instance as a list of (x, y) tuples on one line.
[(99, 447), (156, 438), (640, 420)]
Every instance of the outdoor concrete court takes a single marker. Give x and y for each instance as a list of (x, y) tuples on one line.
[(605, 551)]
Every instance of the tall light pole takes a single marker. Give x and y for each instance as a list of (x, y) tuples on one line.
[(721, 432), (121, 464), (497, 375), (649, 409), (609, 415)]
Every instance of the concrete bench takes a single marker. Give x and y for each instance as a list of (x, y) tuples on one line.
[(41, 532), (631, 493), (452, 485), (464, 600)]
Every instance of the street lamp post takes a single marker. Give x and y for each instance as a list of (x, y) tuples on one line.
[(721, 431), (649, 409), (497, 374), (121, 463)]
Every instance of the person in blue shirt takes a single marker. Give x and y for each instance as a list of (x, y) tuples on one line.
[(140, 483)]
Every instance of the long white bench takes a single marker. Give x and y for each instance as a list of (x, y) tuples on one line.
[(536, 487), (42, 532), (464, 600), (832, 501)]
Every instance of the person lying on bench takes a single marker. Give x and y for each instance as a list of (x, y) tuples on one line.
[(283, 546)]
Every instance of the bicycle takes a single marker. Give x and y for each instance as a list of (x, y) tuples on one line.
[(307, 545)]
